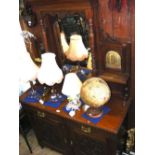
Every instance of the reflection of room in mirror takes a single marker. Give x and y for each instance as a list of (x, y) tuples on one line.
[(64, 43), (75, 23), (113, 60), (74, 39)]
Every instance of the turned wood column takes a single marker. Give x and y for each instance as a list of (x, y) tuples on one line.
[(51, 37)]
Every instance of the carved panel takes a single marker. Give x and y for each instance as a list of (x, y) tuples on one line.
[(115, 57), (86, 146), (51, 38), (49, 132)]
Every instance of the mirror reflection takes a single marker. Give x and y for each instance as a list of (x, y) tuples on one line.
[(72, 24), (74, 37)]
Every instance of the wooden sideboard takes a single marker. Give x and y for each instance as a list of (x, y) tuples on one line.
[(76, 135)]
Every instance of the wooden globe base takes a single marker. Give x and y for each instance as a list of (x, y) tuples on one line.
[(94, 112)]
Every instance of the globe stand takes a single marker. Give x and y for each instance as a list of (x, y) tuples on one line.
[(33, 92), (55, 92), (94, 112)]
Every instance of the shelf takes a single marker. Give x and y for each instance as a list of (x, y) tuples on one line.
[(115, 78)]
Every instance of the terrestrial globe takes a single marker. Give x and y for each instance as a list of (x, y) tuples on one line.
[(95, 92)]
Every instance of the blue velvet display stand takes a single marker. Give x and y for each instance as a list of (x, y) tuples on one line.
[(83, 73), (67, 111), (66, 68), (105, 109), (32, 99), (56, 102)]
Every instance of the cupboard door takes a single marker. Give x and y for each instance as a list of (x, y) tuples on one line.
[(83, 145), (49, 133)]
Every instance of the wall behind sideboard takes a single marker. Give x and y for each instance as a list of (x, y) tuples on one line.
[(121, 25)]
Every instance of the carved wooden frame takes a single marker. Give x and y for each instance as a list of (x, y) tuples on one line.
[(123, 50), (90, 8)]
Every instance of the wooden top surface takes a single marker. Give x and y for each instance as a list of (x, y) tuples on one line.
[(111, 122)]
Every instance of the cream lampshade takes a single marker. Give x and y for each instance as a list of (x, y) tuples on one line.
[(64, 43), (72, 85), (77, 50), (28, 73), (49, 72), (71, 88), (28, 69)]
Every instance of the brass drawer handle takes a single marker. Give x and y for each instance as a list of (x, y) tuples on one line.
[(86, 129), (40, 114)]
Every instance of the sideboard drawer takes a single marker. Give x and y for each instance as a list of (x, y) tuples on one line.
[(43, 115), (88, 131)]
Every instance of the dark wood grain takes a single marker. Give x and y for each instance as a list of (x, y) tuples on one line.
[(110, 123), (61, 132)]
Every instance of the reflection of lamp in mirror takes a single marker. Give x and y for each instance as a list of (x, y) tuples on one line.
[(64, 43), (49, 72), (77, 50)]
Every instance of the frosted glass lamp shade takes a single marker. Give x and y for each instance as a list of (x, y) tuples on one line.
[(72, 85), (64, 43), (77, 50), (28, 69), (49, 72)]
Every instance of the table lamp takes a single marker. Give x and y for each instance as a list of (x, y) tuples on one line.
[(71, 85), (28, 71), (77, 51), (71, 88), (49, 72), (27, 68)]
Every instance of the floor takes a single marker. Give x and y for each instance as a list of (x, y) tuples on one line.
[(36, 149)]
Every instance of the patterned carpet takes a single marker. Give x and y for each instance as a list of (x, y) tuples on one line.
[(36, 149)]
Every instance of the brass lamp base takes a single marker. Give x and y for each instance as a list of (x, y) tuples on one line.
[(94, 112)]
